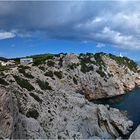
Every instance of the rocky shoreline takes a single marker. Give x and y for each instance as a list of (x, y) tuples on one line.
[(135, 134), (74, 117), (52, 99)]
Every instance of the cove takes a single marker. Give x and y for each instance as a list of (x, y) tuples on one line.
[(129, 102)]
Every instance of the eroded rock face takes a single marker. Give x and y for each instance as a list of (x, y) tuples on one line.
[(86, 74), (53, 101), (135, 134), (117, 119), (13, 124), (28, 128), (60, 115), (8, 112), (70, 59)]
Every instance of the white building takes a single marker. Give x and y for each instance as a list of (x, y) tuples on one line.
[(121, 55), (3, 63), (25, 61), (8, 63)]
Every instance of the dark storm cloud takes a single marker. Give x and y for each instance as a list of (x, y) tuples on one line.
[(116, 22)]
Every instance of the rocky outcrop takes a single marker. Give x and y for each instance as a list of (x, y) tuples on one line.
[(13, 124), (52, 99), (117, 120), (8, 112), (112, 77), (135, 134), (90, 74), (57, 115)]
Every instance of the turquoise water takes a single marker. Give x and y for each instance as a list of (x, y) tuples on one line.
[(129, 102)]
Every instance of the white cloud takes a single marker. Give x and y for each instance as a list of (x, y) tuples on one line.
[(100, 45), (97, 19), (118, 39), (115, 22), (6, 35)]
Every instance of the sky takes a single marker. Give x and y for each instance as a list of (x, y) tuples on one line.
[(36, 27)]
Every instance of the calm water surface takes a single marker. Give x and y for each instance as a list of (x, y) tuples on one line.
[(129, 102)]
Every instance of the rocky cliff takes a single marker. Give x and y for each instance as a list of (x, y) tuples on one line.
[(51, 98), (135, 134)]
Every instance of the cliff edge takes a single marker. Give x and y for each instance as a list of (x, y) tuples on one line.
[(51, 98)]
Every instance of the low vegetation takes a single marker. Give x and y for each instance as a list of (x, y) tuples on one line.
[(36, 97), (49, 74), (58, 74), (86, 62), (85, 68), (23, 83), (23, 67), (101, 73), (44, 85), (50, 63), (1, 73), (40, 59), (124, 61), (3, 68), (17, 60), (60, 62), (3, 82), (61, 55), (28, 75), (32, 113), (75, 80), (42, 68), (73, 66), (98, 58)]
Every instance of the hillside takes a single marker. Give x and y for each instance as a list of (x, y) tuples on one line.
[(90, 74), (51, 98), (3, 59)]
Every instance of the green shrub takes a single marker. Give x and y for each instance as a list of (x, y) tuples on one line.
[(86, 59), (37, 62), (81, 55), (86, 62), (17, 60), (73, 66), (75, 80), (1, 73), (85, 68), (3, 68), (44, 85), (59, 74), (32, 113), (80, 91), (23, 83), (25, 73), (3, 82), (49, 74), (110, 75), (38, 91), (61, 62), (98, 58), (36, 97), (24, 67), (40, 59), (42, 68), (102, 74), (50, 63), (124, 61)]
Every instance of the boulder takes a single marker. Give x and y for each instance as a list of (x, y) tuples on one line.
[(135, 134)]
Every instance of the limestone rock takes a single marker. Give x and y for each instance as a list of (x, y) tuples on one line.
[(58, 115), (135, 134), (42, 101)]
